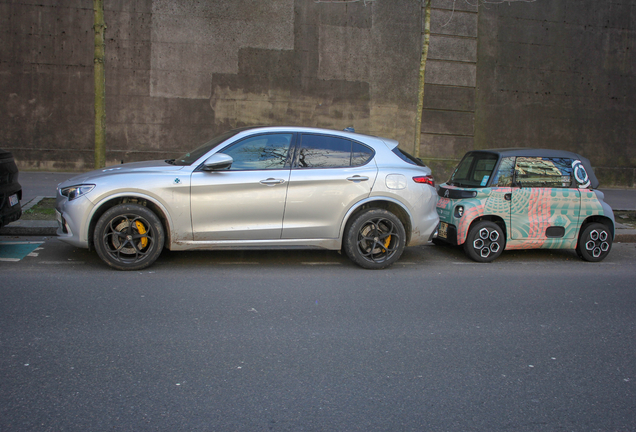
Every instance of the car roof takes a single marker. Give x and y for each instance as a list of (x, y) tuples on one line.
[(390, 143), (534, 152)]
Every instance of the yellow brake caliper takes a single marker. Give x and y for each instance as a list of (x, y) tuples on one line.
[(142, 230), (387, 242)]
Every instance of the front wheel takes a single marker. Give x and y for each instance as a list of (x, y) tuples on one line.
[(128, 237), (595, 242), (375, 239), (485, 241)]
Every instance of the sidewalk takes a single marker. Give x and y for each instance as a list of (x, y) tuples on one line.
[(38, 185)]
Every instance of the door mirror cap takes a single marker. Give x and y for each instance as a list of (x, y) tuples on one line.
[(217, 162)]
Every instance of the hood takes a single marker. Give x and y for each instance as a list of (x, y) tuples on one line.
[(156, 166)]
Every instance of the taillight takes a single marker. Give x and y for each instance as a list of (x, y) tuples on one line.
[(425, 179)]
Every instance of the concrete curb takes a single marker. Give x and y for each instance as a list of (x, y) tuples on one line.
[(30, 227), (628, 237)]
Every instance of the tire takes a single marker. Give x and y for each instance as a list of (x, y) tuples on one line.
[(375, 239), (129, 237), (485, 241), (595, 242)]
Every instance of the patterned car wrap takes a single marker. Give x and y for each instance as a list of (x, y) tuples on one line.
[(530, 211)]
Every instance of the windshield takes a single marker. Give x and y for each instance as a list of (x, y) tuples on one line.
[(191, 157), (474, 170)]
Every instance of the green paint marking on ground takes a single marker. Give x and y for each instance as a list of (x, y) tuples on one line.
[(15, 251)]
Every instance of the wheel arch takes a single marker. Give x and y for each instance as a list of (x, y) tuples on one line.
[(492, 218), (139, 199), (394, 206), (608, 222)]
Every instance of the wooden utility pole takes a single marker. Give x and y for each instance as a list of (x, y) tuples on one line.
[(420, 93), (100, 85)]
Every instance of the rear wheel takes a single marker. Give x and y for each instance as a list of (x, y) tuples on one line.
[(595, 242), (484, 242), (375, 239), (129, 237)]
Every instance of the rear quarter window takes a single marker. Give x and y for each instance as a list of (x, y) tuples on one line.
[(407, 157)]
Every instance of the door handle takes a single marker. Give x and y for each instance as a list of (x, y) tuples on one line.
[(508, 196), (357, 178), (272, 182)]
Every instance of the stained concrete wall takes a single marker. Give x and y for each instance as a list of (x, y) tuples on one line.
[(448, 119), (561, 74), (556, 74), (179, 72)]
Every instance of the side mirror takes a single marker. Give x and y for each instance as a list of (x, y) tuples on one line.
[(217, 162)]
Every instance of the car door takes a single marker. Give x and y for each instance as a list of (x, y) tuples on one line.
[(330, 174), (547, 203), (247, 200)]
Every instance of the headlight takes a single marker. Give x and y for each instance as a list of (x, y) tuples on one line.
[(73, 192)]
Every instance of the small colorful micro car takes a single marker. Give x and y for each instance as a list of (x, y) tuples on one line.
[(524, 199)]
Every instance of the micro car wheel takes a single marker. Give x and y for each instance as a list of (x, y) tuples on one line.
[(485, 241), (595, 242), (129, 237), (375, 239)]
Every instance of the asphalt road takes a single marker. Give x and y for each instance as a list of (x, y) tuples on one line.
[(306, 341)]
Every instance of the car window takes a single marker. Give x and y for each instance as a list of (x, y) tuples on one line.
[(321, 151), (544, 172), (406, 157), (191, 157), (504, 175), (261, 152), (360, 154), (474, 170)]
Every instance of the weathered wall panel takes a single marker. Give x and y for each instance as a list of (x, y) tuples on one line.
[(562, 75), (557, 74)]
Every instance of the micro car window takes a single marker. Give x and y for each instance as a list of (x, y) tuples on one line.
[(505, 173), (261, 152), (544, 172), (319, 151), (474, 170)]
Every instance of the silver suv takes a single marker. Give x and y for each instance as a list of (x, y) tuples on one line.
[(264, 187)]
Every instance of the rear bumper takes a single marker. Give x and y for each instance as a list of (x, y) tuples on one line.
[(10, 213)]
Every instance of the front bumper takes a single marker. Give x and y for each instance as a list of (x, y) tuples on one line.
[(73, 219), (447, 233)]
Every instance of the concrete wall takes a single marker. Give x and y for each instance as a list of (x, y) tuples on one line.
[(179, 72), (561, 74), (448, 120), (556, 74)]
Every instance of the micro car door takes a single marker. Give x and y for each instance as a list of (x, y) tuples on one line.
[(330, 174), (245, 201), (546, 204)]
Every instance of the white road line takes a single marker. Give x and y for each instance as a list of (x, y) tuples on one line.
[(10, 259)]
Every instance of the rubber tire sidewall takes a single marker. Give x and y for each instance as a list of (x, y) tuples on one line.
[(138, 210), (351, 238), (472, 234), (583, 238)]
